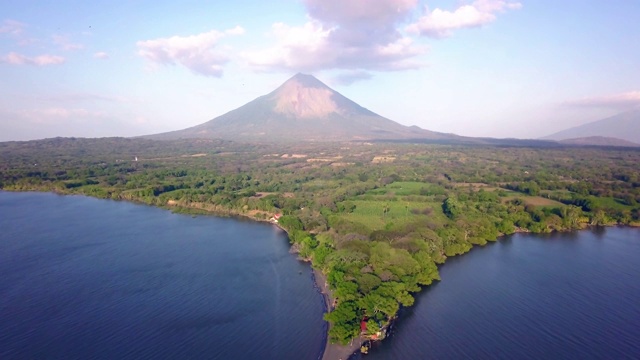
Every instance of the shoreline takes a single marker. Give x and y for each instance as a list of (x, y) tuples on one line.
[(332, 351), (329, 351)]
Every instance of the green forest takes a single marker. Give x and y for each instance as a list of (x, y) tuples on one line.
[(375, 218)]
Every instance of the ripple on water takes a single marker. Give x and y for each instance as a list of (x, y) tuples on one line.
[(93, 279)]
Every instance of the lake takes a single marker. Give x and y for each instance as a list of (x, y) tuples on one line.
[(560, 296), (83, 278), (94, 279)]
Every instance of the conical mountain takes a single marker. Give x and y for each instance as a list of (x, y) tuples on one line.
[(302, 109)]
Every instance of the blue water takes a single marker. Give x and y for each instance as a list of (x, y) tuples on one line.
[(562, 296), (82, 278)]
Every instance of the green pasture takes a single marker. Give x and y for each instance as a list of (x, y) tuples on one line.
[(376, 215), (406, 188)]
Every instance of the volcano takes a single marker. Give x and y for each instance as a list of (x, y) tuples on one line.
[(302, 109)]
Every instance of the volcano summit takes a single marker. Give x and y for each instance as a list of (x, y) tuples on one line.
[(302, 109)]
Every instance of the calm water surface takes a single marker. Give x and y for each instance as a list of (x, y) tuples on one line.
[(82, 278), (563, 296), (91, 279)]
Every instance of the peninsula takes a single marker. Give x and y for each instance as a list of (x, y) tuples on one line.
[(374, 219)]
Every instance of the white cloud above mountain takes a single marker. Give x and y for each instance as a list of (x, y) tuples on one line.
[(353, 35), (439, 23), (349, 77), (199, 53)]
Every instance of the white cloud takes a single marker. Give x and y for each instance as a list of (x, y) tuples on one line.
[(341, 34), (349, 77), (41, 60), (12, 27), (16, 31), (357, 36), (360, 13), (198, 53), (101, 55), (623, 100), (65, 43), (296, 47), (441, 23), (238, 30)]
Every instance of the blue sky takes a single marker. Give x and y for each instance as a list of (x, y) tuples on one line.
[(495, 68)]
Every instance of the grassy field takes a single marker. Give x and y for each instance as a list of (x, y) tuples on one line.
[(610, 203), (533, 200), (396, 205), (405, 188), (372, 214), (599, 202)]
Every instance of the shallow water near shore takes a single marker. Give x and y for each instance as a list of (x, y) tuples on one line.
[(84, 278), (560, 296)]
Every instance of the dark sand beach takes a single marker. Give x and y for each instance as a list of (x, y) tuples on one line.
[(333, 351)]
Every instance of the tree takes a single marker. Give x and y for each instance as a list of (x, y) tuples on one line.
[(506, 227), (344, 321), (368, 282), (571, 216), (451, 207), (375, 304), (347, 291), (372, 327), (599, 218)]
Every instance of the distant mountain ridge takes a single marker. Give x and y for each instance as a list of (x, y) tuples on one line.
[(303, 109), (599, 141), (624, 126)]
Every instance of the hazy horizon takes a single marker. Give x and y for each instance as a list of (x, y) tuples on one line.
[(489, 68)]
